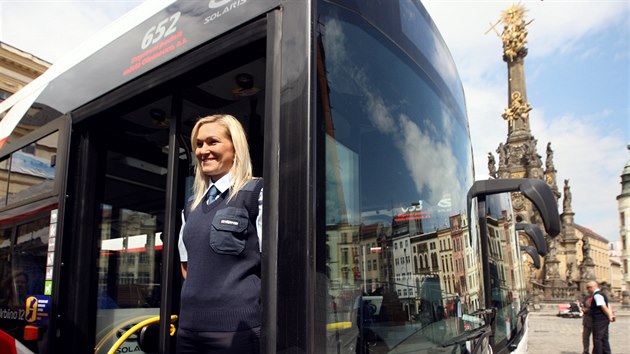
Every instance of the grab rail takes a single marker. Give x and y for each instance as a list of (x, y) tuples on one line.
[(138, 326)]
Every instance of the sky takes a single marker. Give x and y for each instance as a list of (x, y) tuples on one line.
[(577, 75)]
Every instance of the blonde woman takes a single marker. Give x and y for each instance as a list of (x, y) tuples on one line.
[(219, 244)]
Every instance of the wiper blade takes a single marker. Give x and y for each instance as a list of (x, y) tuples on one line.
[(469, 335)]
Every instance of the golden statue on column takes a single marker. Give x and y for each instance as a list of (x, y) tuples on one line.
[(514, 31)]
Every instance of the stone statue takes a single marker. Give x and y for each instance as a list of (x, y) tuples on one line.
[(553, 252), (492, 168), (532, 155), (586, 249), (566, 202), (569, 273), (549, 161), (503, 155)]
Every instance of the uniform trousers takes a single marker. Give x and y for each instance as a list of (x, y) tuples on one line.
[(600, 337), (239, 342)]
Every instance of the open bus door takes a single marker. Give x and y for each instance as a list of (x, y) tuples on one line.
[(128, 174), (133, 173)]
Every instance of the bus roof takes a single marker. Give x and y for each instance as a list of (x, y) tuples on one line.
[(149, 35), (20, 102)]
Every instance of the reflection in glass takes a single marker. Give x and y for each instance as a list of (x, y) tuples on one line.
[(403, 267), (23, 252), (4, 180), (507, 279), (130, 243), (29, 171)]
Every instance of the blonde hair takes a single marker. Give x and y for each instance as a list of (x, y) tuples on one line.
[(241, 170)]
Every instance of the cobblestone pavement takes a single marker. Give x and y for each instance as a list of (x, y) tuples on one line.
[(550, 334)]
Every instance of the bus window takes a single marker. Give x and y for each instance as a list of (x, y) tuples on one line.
[(131, 214), (4, 180), (23, 257), (403, 266), (29, 171)]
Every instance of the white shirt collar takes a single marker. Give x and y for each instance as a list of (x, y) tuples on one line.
[(222, 184)]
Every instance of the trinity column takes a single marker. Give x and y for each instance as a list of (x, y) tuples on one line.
[(518, 157)]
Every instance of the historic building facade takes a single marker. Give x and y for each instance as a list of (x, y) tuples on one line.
[(17, 68), (623, 203), (577, 254)]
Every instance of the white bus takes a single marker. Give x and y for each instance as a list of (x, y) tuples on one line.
[(356, 119)]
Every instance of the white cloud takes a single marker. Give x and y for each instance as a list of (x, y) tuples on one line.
[(592, 159), (49, 29), (590, 156)]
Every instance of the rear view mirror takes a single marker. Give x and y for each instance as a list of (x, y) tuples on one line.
[(537, 191), (536, 235), (532, 252)]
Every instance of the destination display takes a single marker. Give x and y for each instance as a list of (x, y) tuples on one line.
[(173, 31)]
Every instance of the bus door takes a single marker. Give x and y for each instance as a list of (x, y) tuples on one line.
[(132, 176)]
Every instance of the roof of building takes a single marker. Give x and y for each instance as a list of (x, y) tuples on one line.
[(590, 233), (24, 54)]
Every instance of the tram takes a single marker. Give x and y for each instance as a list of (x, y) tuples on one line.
[(376, 237)]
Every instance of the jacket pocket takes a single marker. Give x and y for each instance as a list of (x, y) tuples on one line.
[(228, 233)]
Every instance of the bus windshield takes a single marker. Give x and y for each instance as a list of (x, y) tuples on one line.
[(403, 267)]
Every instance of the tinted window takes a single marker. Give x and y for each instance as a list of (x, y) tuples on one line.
[(403, 265), (24, 247), (30, 171), (507, 278)]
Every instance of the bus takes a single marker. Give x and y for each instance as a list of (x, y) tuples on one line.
[(376, 239)]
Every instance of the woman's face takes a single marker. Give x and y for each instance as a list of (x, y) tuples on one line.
[(214, 150)]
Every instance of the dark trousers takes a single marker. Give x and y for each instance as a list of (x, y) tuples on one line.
[(587, 329), (600, 337), (240, 342)]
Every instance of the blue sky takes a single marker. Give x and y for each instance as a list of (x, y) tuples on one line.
[(577, 84), (576, 73)]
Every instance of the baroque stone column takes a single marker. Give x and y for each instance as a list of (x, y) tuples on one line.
[(569, 236), (588, 265)]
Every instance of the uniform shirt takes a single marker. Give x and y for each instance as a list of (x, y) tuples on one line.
[(598, 298), (221, 185)]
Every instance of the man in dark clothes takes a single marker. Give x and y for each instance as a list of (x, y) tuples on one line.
[(587, 324), (601, 315)]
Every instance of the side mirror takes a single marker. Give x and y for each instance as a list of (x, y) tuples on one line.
[(537, 191), (532, 252), (536, 235)]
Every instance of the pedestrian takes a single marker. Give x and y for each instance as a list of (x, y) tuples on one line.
[(219, 244), (601, 315), (587, 324)]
